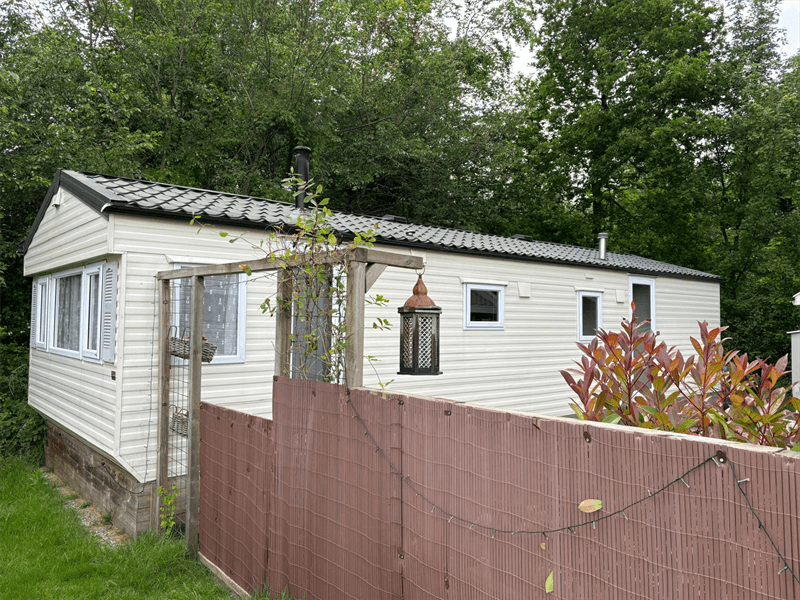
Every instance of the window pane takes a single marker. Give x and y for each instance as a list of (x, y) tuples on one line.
[(93, 325), (484, 305), (68, 312), (641, 298), (41, 318), (220, 312), (589, 316)]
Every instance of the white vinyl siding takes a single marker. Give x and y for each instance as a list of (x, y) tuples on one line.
[(79, 395), (69, 234), (153, 245), (518, 368)]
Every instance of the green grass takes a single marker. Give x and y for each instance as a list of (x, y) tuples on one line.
[(45, 552)]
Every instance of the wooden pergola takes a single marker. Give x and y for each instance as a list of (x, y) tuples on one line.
[(364, 267)]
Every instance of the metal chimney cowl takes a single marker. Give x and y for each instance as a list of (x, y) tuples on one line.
[(419, 334), (603, 237)]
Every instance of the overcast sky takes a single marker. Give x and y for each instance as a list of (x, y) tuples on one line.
[(790, 21)]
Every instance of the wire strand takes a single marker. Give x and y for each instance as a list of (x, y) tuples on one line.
[(573, 527)]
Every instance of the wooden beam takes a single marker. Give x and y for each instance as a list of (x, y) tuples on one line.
[(373, 272), (273, 263), (354, 323), (366, 255), (283, 324), (164, 361), (382, 257), (195, 369)]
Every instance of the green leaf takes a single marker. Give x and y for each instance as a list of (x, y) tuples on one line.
[(548, 584), (590, 506)]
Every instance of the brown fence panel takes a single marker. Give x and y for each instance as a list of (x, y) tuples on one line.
[(377, 495), (236, 457), (335, 520)]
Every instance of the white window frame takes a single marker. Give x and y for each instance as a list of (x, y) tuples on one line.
[(53, 313), (42, 313), (241, 333), (651, 281), (86, 311), (47, 313), (498, 325), (584, 339)]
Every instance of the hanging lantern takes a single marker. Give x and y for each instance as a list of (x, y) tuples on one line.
[(419, 334)]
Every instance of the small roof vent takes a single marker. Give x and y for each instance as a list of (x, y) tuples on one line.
[(523, 237)]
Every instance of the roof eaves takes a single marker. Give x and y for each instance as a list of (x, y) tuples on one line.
[(696, 276), (133, 210)]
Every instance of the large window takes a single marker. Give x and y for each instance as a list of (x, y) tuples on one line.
[(224, 306), (73, 312), (590, 315), (484, 306)]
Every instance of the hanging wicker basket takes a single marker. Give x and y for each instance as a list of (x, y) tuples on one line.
[(179, 421), (181, 349)]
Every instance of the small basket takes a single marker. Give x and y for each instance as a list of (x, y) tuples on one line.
[(181, 348), (179, 421)]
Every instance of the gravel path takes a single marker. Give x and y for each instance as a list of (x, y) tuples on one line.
[(91, 517)]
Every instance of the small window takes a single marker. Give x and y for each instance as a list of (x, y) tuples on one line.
[(483, 306), (224, 306), (590, 315)]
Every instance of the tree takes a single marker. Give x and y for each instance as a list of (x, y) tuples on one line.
[(668, 125), (58, 112), (615, 114)]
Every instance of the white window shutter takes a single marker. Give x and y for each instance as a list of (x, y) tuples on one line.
[(34, 312), (109, 315)]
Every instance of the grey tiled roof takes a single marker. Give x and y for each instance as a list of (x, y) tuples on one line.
[(117, 194)]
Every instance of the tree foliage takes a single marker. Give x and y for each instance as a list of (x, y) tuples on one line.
[(672, 125)]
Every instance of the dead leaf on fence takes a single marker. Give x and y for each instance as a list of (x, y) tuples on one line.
[(548, 583), (590, 506), (542, 545)]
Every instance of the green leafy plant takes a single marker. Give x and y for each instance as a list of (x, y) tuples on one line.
[(627, 377), (167, 508), (22, 429)]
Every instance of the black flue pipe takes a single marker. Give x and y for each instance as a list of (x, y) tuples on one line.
[(301, 170)]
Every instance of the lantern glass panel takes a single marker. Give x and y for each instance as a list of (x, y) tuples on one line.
[(407, 341)]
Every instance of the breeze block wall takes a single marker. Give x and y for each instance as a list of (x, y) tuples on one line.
[(100, 480)]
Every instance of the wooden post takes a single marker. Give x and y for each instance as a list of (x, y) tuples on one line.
[(354, 323), (283, 324), (164, 361), (195, 366)]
